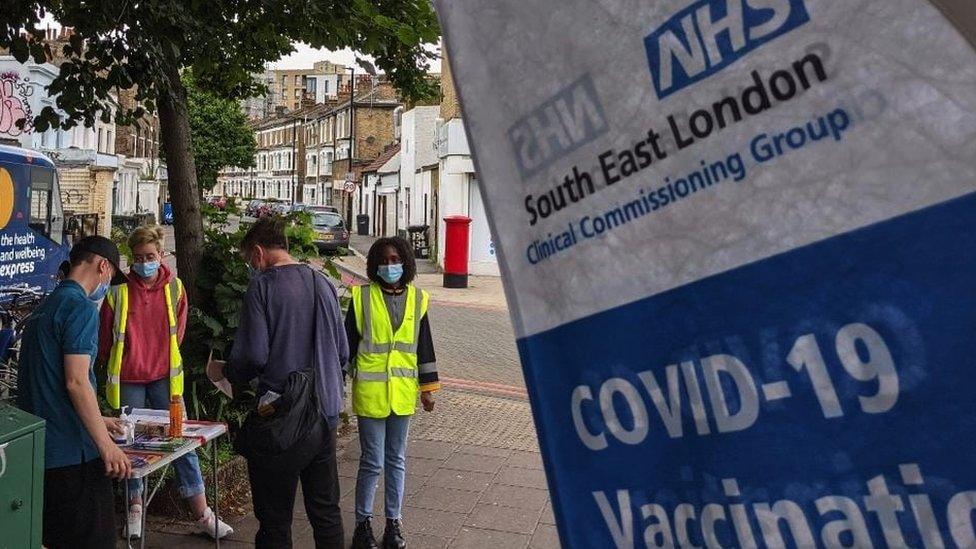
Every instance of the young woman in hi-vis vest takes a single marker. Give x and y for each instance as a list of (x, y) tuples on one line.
[(392, 363), (141, 327)]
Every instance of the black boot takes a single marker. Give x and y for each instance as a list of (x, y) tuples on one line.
[(364, 538), (393, 537)]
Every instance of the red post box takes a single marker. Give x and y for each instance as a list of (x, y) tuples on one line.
[(456, 251)]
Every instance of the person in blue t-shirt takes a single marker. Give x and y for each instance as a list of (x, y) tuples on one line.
[(57, 383)]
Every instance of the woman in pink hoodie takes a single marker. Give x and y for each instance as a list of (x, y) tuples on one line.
[(145, 369)]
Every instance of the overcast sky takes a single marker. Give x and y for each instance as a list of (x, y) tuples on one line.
[(304, 56)]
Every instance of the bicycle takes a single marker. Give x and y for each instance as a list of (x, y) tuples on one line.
[(16, 306)]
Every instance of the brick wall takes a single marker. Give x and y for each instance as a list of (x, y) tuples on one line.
[(147, 145), (374, 131), (450, 107), (86, 191)]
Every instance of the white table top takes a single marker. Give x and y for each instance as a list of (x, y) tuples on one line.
[(196, 433)]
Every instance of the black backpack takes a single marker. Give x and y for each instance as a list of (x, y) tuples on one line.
[(291, 435)]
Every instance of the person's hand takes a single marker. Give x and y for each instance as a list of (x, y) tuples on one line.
[(215, 370), (427, 399), (115, 426), (117, 464)]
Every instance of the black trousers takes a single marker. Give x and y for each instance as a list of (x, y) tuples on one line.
[(79, 507), (273, 492)]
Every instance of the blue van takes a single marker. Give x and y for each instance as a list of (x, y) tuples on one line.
[(34, 245)]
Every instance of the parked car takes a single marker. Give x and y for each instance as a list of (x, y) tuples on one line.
[(315, 209), (218, 202), (253, 207), (265, 209), (331, 233)]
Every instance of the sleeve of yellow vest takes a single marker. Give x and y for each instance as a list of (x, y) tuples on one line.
[(427, 362)]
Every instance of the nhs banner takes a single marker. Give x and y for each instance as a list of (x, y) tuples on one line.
[(738, 239)]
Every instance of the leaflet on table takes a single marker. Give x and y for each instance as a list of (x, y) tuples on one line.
[(737, 238), (203, 430), (141, 459)]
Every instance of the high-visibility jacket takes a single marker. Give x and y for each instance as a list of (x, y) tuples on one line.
[(118, 299), (385, 374)]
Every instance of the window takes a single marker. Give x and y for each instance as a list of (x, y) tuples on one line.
[(298, 93), (45, 211), (327, 220), (298, 80)]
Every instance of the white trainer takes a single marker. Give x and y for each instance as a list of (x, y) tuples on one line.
[(209, 523), (135, 521)]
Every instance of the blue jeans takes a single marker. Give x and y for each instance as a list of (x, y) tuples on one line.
[(155, 396), (384, 441)]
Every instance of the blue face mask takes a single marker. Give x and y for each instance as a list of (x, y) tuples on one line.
[(390, 273), (99, 292), (146, 270), (251, 270)]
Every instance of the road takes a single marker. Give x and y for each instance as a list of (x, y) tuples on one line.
[(475, 344)]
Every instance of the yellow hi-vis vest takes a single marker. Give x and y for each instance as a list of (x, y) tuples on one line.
[(385, 375), (118, 300)]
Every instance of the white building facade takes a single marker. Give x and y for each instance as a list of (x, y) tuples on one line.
[(418, 157), (85, 157), (459, 194)]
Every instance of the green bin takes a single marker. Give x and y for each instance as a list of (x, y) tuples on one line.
[(21, 478)]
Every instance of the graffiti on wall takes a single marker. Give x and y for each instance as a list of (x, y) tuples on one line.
[(15, 112)]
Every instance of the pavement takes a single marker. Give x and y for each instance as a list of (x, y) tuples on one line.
[(474, 472)]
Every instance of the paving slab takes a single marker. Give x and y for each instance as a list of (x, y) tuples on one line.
[(487, 451), (525, 460), (444, 499), (423, 467), (505, 519), (530, 499), (475, 538), (461, 480), (545, 537), (516, 476), (548, 517), (432, 523), (430, 449), (471, 462)]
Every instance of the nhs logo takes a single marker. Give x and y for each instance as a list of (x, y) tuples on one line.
[(710, 35)]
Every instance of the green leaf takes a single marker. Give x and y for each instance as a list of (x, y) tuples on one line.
[(407, 35), (215, 327), (19, 49)]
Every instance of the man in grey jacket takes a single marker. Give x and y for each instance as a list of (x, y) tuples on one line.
[(282, 332)]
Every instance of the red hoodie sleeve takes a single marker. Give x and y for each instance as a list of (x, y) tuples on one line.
[(106, 321), (181, 312)]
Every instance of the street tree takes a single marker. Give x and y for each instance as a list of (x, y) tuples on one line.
[(124, 44), (220, 132)]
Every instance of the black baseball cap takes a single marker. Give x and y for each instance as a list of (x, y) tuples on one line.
[(104, 247)]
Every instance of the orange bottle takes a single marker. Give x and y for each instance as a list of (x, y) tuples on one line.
[(175, 416)]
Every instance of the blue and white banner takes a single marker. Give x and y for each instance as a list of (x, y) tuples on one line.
[(739, 242)]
